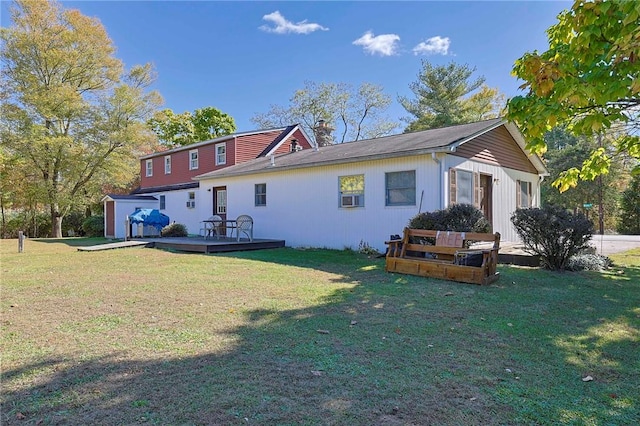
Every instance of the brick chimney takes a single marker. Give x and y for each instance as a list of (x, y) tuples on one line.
[(323, 134)]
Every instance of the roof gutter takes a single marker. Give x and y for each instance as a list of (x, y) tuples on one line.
[(268, 168)]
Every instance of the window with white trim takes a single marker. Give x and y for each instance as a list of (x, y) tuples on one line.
[(148, 168), (400, 188), (351, 191), (221, 154), (191, 200), (524, 198), (167, 165), (261, 194), (193, 159)]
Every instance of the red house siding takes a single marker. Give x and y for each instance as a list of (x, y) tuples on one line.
[(249, 147), (238, 149), (286, 146)]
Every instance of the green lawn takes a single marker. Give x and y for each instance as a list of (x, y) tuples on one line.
[(288, 337)]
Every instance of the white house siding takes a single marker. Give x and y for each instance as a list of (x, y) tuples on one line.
[(176, 207), (504, 191), (122, 209), (302, 205)]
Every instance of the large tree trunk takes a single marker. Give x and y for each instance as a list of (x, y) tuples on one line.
[(56, 222)]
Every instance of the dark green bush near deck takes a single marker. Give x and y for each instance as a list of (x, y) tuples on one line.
[(93, 226), (174, 230), (553, 233)]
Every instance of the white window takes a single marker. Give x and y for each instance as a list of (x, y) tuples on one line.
[(191, 200), (261, 194), (351, 191), (149, 168), (400, 188), (193, 159), (524, 199), (167, 165), (464, 187), (221, 153)]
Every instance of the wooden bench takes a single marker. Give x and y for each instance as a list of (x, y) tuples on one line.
[(446, 259)]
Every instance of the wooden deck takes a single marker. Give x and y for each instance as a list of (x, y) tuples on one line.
[(211, 245), (111, 246)]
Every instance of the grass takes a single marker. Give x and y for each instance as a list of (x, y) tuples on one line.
[(309, 337)]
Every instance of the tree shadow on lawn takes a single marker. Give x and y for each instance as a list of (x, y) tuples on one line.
[(75, 241), (390, 349)]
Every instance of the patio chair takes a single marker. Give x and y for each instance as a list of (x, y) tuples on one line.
[(211, 226), (216, 222), (244, 224)]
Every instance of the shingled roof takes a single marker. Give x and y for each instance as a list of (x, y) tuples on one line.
[(444, 139)]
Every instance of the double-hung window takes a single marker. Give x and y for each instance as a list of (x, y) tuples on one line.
[(193, 159), (524, 199), (400, 188), (163, 202), (167, 165), (464, 187), (149, 168), (221, 154), (351, 191), (261, 194)]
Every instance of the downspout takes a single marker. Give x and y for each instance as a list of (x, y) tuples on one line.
[(540, 179), (440, 163)]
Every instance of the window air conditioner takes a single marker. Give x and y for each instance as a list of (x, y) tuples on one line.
[(351, 201), (191, 204)]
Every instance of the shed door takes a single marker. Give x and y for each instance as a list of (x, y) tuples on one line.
[(110, 219)]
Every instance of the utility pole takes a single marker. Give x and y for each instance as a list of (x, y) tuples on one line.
[(600, 206)]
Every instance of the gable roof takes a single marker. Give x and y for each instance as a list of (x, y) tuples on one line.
[(278, 141), (445, 139), (283, 130)]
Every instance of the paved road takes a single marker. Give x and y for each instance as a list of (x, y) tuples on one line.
[(604, 244), (609, 244)]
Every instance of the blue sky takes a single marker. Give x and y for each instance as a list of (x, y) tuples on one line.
[(241, 57)]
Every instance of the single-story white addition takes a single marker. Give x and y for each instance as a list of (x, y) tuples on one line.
[(118, 207), (359, 193)]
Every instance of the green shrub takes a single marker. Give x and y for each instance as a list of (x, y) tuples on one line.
[(174, 230), (588, 262), (458, 217), (629, 222), (93, 226), (553, 233), (72, 223), (34, 224)]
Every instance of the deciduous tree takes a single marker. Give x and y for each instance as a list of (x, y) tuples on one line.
[(187, 128), (71, 112), (588, 80), (445, 95), (354, 113)]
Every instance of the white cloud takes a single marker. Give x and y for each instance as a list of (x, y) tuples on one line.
[(433, 46), (383, 45), (282, 26)]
